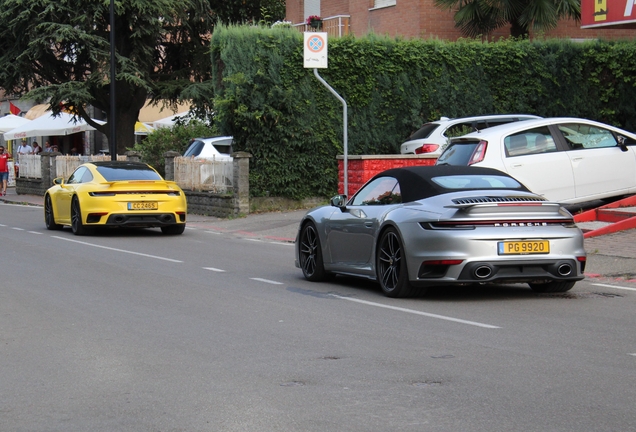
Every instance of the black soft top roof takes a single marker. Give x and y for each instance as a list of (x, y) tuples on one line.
[(416, 182)]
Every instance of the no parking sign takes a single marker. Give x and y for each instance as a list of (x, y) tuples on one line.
[(315, 52)]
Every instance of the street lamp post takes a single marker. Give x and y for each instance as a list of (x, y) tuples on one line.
[(111, 116)]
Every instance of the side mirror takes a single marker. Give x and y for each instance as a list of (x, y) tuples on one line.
[(339, 201), (58, 180), (624, 141)]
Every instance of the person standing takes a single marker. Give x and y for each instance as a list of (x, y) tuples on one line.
[(25, 148), (4, 170), (36, 148), (47, 147)]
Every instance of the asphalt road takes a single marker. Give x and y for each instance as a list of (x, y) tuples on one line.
[(209, 331)]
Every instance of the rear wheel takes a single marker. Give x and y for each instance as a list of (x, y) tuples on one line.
[(552, 287), (49, 216), (175, 229), (310, 254), (76, 218), (391, 265)]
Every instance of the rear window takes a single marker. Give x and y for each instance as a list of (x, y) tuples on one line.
[(127, 173), (477, 182), (424, 132), (194, 149), (457, 154)]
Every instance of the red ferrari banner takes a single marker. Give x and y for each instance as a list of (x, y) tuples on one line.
[(14, 109), (601, 13)]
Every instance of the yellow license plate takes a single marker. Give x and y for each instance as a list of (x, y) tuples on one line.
[(144, 205), (524, 247)]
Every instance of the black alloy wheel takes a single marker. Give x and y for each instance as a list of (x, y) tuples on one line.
[(76, 218), (49, 216), (310, 254), (552, 287), (175, 229), (391, 265)]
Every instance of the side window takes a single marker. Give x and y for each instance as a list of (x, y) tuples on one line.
[(533, 141), (381, 191), (76, 177), (582, 136), (460, 129)]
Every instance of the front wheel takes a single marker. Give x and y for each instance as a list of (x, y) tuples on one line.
[(391, 265), (310, 254), (76, 218), (49, 216), (552, 287), (175, 229)]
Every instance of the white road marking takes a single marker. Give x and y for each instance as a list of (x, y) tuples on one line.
[(267, 281), (17, 229), (461, 321), (2, 225), (213, 232), (254, 240), (34, 232), (214, 269), (118, 250), (614, 286), (634, 354)]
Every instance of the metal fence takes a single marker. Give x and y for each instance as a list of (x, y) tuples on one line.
[(204, 174)]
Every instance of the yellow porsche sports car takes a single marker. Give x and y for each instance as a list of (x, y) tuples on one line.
[(115, 194)]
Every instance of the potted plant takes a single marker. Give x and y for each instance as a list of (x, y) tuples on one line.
[(314, 21)]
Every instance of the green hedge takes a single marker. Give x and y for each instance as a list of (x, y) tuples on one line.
[(278, 111)]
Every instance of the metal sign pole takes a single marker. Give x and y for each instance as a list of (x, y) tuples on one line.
[(112, 142), (344, 132)]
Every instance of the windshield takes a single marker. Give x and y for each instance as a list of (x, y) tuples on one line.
[(457, 154)]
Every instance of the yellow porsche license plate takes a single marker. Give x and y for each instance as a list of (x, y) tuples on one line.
[(524, 247), (144, 205)]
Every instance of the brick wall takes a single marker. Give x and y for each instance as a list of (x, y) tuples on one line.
[(361, 168), (420, 18)]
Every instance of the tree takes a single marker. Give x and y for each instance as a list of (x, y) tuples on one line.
[(480, 17), (253, 11), (59, 52)]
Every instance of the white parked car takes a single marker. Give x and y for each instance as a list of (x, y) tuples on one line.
[(567, 160), (432, 137), (218, 148), (213, 156)]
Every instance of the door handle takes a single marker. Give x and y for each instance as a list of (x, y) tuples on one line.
[(368, 224)]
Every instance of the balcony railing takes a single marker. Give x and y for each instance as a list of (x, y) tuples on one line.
[(335, 26)]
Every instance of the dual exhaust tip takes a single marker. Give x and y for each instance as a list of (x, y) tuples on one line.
[(485, 271)]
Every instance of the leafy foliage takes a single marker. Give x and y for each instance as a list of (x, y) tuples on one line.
[(480, 17), (177, 138), (292, 125)]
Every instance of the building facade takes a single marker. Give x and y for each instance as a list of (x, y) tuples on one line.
[(415, 19)]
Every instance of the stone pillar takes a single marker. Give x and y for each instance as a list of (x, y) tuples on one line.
[(241, 182), (169, 157), (133, 156)]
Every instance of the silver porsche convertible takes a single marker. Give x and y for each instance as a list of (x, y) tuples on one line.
[(410, 228)]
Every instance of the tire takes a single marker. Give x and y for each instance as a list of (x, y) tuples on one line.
[(391, 269), (310, 254), (552, 287), (175, 229), (76, 218), (49, 216)]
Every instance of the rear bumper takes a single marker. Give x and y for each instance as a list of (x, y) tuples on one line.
[(147, 220)]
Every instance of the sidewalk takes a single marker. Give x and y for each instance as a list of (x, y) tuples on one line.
[(609, 256)]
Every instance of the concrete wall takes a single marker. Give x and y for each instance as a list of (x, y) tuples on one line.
[(205, 203)]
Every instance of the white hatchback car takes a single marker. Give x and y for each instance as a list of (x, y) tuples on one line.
[(567, 160), (218, 148), (432, 137)]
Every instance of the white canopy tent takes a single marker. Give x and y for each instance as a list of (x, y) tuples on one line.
[(168, 121), (11, 121), (47, 125)]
